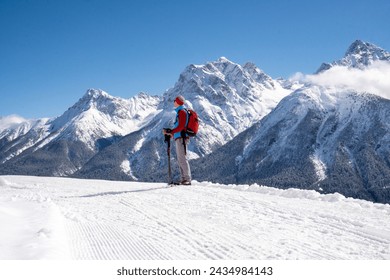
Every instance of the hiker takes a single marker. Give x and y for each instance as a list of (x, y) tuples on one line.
[(181, 140)]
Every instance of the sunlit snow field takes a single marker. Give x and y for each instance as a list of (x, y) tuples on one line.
[(59, 218)]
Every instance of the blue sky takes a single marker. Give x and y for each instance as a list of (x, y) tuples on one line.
[(52, 51)]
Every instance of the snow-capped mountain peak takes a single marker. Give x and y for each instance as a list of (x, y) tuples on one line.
[(362, 48), (258, 75), (95, 98), (223, 59), (98, 115), (359, 55), (96, 93), (227, 96)]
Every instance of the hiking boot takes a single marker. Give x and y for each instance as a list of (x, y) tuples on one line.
[(183, 182)]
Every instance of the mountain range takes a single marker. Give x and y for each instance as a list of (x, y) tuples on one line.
[(254, 129)]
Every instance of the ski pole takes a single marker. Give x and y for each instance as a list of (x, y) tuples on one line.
[(167, 139)]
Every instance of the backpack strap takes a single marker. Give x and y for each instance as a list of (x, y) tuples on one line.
[(188, 116)]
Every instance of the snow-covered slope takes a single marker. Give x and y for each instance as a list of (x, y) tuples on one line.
[(316, 138), (59, 218), (18, 134), (359, 55)]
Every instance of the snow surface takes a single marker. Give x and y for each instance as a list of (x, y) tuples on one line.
[(61, 218)]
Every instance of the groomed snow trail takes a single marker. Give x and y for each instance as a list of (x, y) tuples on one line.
[(141, 221)]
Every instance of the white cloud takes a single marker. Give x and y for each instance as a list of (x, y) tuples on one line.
[(11, 120), (373, 79)]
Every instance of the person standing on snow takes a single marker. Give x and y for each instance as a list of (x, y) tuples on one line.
[(181, 140)]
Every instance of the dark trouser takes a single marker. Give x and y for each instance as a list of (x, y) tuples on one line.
[(184, 166)]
